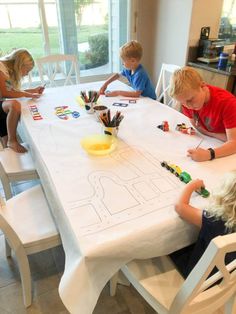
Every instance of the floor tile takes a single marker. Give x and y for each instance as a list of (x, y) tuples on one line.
[(21, 186)]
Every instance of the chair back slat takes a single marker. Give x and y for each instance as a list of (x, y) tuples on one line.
[(55, 68), (200, 294), (162, 87)]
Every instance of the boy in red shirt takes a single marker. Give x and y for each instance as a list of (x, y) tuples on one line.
[(211, 110)]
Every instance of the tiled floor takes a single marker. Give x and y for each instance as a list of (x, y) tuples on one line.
[(46, 270)]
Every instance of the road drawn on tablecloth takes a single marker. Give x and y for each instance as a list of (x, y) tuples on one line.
[(147, 188)]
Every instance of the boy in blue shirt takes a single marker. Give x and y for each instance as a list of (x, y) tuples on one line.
[(131, 54)]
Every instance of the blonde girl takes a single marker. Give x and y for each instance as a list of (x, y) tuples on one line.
[(13, 67), (219, 218)]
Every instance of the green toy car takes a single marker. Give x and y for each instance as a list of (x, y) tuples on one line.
[(185, 177), (203, 192)]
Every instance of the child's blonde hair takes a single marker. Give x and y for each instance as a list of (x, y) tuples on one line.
[(184, 79), (132, 49), (14, 62), (222, 204)]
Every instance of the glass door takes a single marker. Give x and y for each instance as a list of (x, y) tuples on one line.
[(91, 29)]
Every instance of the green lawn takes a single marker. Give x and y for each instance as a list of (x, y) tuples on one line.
[(32, 39)]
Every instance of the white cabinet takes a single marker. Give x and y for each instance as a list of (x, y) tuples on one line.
[(216, 79)]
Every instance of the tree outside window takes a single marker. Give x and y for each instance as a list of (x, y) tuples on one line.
[(227, 29)]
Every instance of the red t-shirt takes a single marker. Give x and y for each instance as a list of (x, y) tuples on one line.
[(216, 115)]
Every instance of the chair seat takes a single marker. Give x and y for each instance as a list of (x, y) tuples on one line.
[(15, 164), (155, 279), (161, 285), (38, 224)]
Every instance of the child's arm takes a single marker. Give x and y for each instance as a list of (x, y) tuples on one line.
[(38, 90), (7, 91), (226, 149), (219, 136), (124, 93), (184, 209), (111, 79)]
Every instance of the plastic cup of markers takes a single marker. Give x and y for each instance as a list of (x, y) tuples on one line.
[(89, 107), (100, 109), (111, 130)]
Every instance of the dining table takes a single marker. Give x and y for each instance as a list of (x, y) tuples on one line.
[(118, 206)]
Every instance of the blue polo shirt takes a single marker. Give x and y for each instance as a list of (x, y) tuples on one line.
[(140, 81)]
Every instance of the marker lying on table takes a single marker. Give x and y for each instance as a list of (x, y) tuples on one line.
[(129, 98)]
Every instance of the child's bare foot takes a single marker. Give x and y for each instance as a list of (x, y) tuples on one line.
[(17, 147)]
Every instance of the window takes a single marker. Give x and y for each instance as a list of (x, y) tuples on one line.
[(227, 29), (91, 29)]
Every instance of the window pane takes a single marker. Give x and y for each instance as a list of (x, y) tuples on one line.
[(91, 29), (228, 21), (52, 23), (17, 31), (93, 39)]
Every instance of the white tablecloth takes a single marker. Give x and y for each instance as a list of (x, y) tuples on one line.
[(114, 208)]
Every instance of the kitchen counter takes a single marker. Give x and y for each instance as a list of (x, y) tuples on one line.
[(213, 67), (212, 75)]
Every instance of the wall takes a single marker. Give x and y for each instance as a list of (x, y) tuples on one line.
[(166, 29), (205, 13), (146, 33), (163, 29)]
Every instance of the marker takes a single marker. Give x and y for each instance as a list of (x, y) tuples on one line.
[(199, 144)]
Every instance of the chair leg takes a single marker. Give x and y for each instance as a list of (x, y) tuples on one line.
[(25, 275), (7, 189), (120, 278), (7, 249), (113, 284)]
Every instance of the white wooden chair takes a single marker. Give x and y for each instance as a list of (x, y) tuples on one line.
[(27, 224), (162, 87), (161, 285), (53, 69), (15, 167)]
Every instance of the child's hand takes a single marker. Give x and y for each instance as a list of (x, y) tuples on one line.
[(112, 94), (102, 90), (199, 154), (39, 89), (34, 95), (196, 184)]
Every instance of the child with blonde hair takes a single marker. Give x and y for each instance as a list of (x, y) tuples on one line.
[(13, 67), (131, 54), (211, 110), (219, 218)]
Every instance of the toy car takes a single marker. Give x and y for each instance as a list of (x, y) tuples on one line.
[(164, 126), (175, 169), (184, 129), (203, 192), (185, 177), (172, 168), (165, 165), (189, 131), (180, 126)]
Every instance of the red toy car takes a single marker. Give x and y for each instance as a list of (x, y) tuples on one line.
[(164, 126)]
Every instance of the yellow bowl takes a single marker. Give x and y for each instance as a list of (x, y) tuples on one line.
[(99, 144)]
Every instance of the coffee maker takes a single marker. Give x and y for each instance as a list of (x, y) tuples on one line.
[(209, 49)]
